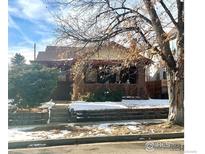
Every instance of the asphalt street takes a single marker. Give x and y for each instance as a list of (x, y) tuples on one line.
[(168, 146)]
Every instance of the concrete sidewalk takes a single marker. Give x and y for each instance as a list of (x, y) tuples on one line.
[(141, 147)]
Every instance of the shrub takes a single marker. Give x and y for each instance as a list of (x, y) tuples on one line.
[(102, 95), (30, 85)]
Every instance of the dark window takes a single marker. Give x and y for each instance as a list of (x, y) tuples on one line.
[(133, 75), (112, 78), (124, 76), (164, 75), (105, 75), (101, 76), (129, 75)]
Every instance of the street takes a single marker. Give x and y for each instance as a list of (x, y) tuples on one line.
[(169, 146)]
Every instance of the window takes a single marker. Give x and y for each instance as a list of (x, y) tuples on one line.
[(133, 75), (91, 75), (105, 74), (164, 75), (129, 75), (124, 76)]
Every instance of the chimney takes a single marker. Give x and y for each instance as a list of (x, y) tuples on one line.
[(34, 48)]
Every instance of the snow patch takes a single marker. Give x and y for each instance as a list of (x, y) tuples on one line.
[(150, 103), (133, 128), (81, 105), (124, 104)]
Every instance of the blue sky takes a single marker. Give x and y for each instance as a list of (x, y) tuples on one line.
[(29, 22)]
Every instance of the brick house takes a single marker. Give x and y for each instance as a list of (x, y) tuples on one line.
[(105, 68)]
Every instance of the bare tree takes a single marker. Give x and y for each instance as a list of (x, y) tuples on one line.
[(148, 22)]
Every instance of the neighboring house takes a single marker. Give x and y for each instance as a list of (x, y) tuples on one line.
[(106, 68), (160, 74), (157, 84)]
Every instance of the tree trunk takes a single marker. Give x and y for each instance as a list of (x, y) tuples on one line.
[(176, 82), (176, 97)]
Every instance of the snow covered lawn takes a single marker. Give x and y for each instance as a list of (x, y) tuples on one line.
[(150, 103)]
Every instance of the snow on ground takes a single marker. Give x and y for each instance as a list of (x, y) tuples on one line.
[(81, 105), (146, 103), (107, 127), (16, 134), (150, 103), (95, 129), (69, 130)]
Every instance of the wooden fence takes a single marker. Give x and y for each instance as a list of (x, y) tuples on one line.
[(157, 89)]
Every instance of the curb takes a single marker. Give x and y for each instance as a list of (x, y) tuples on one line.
[(85, 140)]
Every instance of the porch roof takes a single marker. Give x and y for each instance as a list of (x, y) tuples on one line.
[(142, 61)]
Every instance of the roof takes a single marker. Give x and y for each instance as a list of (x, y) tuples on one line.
[(139, 61), (57, 53), (110, 51)]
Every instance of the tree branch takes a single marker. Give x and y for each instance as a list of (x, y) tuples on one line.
[(157, 26), (180, 7), (169, 13)]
